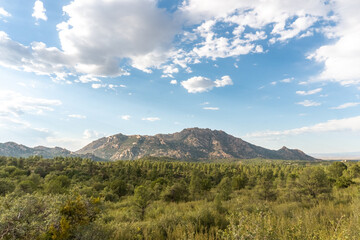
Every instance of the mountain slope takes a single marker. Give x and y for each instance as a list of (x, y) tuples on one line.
[(17, 150), (191, 143), (11, 149)]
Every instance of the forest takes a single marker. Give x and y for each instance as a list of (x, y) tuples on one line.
[(156, 198)]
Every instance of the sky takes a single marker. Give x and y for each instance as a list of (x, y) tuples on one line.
[(274, 73)]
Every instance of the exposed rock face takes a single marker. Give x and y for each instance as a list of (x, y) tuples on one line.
[(191, 143)]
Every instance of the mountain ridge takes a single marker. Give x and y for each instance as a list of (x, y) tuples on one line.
[(12, 149), (190, 144)]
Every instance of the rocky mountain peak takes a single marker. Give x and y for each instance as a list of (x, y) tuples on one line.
[(190, 143)]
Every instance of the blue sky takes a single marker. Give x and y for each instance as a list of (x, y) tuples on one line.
[(274, 73)]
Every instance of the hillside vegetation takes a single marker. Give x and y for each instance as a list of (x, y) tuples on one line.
[(74, 198)]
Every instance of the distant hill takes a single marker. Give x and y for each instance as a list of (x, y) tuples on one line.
[(12, 149), (189, 144), (338, 156)]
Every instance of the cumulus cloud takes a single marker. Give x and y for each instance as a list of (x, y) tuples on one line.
[(151, 119), (300, 24), (285, 19), (97, 85), (200, 84), (174, 82), (99, 36), (95, 38), (99, 33), (169, 70), (347, 105), (309, 103), (39, 11), (224, 81), (219, 47), (310, 92), (345, 124), (341, 59)]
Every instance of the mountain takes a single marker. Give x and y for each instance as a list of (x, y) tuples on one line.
[(12, 149), (18, 150), (190, 144)]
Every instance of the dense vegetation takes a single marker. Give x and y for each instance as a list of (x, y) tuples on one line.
[(73, 198)]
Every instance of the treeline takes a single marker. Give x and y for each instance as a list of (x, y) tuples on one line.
[(74, 198)]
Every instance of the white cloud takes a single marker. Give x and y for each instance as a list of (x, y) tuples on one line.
[(15, 104), (254, 13), (211, 108), (174, 82), (303, 83), (14, 128), (258, 35), (219, 47), (14, 108), (39, 11), (97, 85), (307, 34), (202, 84), (151, 119), (4, 13), (95, 38), (342, 58), (105, 85), (99, 33), (125, 117), (286, 19), (37, 58), (88, 79), (113, 86), (92, 134), (347, 105), (345, 124), (310, 92), (300, 24), (78, 116), (198, 84), (287, 80), (225, 81), (309, 103), (169, 70)]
